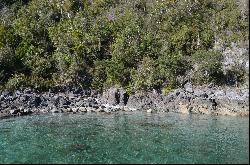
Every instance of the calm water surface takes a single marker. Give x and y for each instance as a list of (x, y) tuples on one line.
[(124, 138)]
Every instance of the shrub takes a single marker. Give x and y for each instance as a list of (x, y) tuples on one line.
[(207, 67), (99, 75), (166, 90), (145, 76), (136, 44), (17, 81), (235, 75)]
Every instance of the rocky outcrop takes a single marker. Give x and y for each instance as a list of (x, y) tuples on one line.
[(114, 96), (198, 100)]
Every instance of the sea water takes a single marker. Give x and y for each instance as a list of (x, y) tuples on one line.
[(124, 137)]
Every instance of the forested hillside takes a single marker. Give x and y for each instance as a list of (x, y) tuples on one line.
[(135, 44)]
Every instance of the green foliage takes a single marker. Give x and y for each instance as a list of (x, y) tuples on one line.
[(136, 44), (235, 75), (166, 90), (145, 76), (207, 67), (17, 81), (7, 61), (116, 73), (99, 75)]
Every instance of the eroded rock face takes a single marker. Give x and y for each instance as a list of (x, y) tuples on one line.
[(114, 96), (202, 100), (109, 96)]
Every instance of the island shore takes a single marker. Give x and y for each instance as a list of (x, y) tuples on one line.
[(206, 100)]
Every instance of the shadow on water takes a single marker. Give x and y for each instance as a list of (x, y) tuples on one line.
[(5, 130), (9, 120), (158, 125)]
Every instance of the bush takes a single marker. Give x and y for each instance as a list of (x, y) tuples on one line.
[(17, 81), (207, 67), (171, 66), (166, 90), (145, 76), (7, 61), (235, 75), (99, 75), (136, 44)]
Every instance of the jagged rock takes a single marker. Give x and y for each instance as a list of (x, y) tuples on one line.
[(24, 98), (188, 87), (204, 110), (202, 100), (90, 109), (114, 96), (26, 111), (95, 106), (133, 109), (100, 110), (82, 109), (2, 98), (150, 111), (14, 111), (80, 103), (183, 108), (75, 109), (69, 110), (55, 110), (44, 110)]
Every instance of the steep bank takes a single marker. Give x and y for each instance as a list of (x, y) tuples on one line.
[(209, 100)]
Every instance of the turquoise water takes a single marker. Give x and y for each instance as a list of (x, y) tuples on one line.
[(124, 138)]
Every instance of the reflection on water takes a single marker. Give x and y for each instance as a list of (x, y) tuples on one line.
[(124, 137)]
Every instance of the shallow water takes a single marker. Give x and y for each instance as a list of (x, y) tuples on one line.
[(124, 138)]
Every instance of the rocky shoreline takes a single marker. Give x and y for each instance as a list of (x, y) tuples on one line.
[(209, 100)]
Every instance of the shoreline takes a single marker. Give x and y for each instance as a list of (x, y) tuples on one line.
[(203, 100)]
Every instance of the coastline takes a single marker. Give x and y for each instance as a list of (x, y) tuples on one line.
[(207, 100)]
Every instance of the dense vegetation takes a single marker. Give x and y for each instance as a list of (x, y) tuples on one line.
[(136, 44)]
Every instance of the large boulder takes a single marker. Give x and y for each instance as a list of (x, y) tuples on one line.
[(140, 100), (114, 96)]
